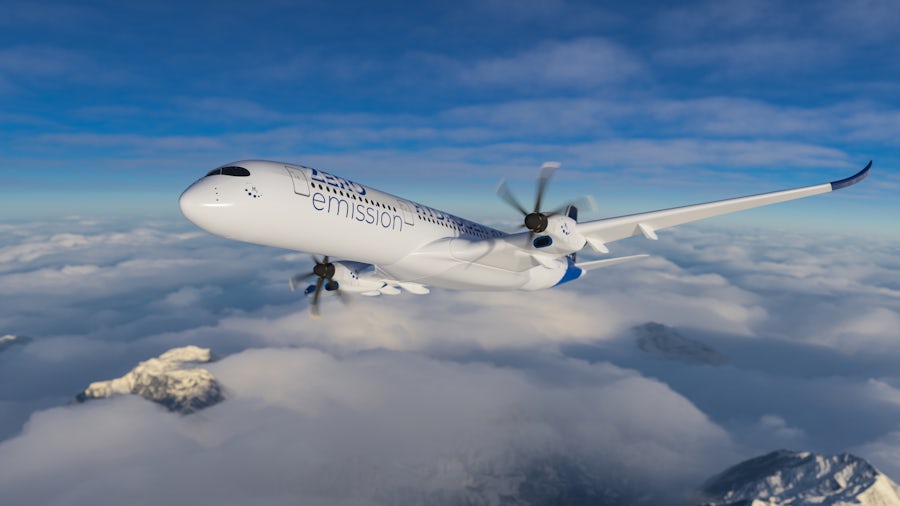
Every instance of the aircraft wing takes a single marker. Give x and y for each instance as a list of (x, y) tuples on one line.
[(600, 232)]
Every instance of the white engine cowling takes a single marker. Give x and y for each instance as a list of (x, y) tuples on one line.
[(561, 237), (356, 277)]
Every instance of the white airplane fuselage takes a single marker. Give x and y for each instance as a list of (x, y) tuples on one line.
[(303, 209), (389, 243)]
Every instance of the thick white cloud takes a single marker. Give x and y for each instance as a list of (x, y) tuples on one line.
[(443, 386), (370, 428)]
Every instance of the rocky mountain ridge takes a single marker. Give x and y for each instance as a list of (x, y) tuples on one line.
[(667, 343), (784, 477), (10, 340), (172, 379)]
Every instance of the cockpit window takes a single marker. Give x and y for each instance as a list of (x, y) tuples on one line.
[(229, 171), (235, 171)]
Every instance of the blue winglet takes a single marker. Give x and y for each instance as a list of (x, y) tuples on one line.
[(852, 180)]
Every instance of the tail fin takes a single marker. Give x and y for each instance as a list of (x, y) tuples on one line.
[(572, 212)]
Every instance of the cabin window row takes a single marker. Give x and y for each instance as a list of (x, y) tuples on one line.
[(352, 196), (450, 224)]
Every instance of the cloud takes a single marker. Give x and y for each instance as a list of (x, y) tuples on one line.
[(54, 17), (42, 66), (698, 19), (779, 427), (872, 327), (759, 39), (394, 376), (583, 63), (382, 427), (137, 143), (865, 21), (759, 57), (883, 453)]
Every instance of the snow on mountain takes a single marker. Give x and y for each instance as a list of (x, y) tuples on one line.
[(10, 340), (665, 342), (172, 379), (798, 478)]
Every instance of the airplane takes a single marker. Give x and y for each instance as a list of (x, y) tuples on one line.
[(391, 244)]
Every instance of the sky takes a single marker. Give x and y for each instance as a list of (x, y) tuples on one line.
[(116, 108), (109, 110)]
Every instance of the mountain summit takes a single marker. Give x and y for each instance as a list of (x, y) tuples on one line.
[(172, 379), (667, 343), (10, 340), (797, 478)]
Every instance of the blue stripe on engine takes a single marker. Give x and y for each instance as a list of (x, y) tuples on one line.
[(572, 273)]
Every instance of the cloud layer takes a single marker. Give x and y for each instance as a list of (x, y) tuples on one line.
[(449, 397), (384, 427)]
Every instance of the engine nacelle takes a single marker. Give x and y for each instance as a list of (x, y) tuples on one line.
[(561, 236), (356, 277)]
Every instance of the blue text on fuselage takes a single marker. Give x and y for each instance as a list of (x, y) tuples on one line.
[(337, 182), (338, 206)]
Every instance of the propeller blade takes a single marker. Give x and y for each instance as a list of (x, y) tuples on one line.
[(296, 279), (314, 306), (324, 272), (546, 173), (343, 296), (507, 196), (587, 202)]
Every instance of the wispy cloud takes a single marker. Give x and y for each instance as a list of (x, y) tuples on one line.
[(48, 66), (760, 57), (577, 64)]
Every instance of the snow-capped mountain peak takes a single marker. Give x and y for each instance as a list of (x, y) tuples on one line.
[(172, 379), (10, 340), (795, 478), (667, 343)]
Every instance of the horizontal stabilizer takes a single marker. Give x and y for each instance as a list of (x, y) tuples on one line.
[(596, 264), (389, 290)]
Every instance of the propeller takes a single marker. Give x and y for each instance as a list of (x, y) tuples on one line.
[(585, 202), (536, 220), (324, 272)]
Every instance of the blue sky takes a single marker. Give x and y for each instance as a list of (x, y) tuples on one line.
[(115, 108)]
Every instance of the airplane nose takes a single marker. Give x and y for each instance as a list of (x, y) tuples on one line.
[(191, 203), (202, 204)]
